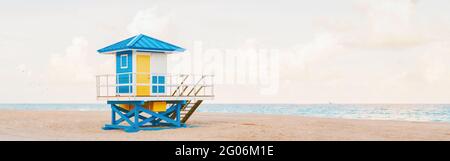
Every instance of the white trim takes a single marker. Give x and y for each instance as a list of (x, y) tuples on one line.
[(121, 62), (125, 94), (115, 65), (133, 64), (134, 39)]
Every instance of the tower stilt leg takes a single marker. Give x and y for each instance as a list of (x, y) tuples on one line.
[(131, 120)]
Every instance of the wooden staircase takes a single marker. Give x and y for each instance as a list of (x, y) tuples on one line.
[(189, 108)]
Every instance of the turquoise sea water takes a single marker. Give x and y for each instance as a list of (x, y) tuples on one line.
[(408, 112)]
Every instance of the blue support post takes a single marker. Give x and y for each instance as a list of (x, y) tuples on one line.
[(155, 118), (136, 115), (178, 115), (127, 119), (113, 117)]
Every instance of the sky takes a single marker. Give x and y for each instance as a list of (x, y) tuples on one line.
[(290, 51)]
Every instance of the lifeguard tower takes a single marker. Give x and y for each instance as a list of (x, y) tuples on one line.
[(142, 95)]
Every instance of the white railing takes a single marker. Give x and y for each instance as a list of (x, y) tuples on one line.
[(134, 85)]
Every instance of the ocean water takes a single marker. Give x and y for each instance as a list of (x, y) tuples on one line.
[(403, 112)]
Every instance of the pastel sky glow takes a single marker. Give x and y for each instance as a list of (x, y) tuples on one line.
[(346, 51)]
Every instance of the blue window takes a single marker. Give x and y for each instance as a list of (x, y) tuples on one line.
[(161, 89), (158, 84), (161, 80), (154, 79), (154, 89)]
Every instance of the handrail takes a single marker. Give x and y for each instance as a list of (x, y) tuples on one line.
[(182, 82), (185, 87), (195, 85), (199, 89), (126, 85)]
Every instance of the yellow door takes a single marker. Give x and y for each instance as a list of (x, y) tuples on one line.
[(143, 75)]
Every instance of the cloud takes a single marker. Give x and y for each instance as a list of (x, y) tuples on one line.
[(73, 65), (322, 46), (150, 21), (386, 54), (434, 62), (389, 24), (382, 24), (23, 69), (379, 24)]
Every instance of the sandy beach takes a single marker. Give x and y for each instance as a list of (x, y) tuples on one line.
[(86, 125)]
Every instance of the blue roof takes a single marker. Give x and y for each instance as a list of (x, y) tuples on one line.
[(142, 42)]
